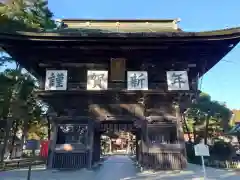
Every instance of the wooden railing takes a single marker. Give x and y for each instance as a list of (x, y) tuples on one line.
[(20, 163), (83, 86), (228, 164), (117, 127), (157, 86)]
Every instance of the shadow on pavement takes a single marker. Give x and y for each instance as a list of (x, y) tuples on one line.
[(193, 172), (120, 167)]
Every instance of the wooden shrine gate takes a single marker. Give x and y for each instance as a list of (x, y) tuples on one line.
[(78, 144)]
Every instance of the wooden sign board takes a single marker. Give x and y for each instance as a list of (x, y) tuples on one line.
[(97, 80), (201, 150), (177, 80), (137, 80), (56, 80), (118, 67)]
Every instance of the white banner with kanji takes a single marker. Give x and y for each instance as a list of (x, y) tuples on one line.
[(97, 80), (56, 80), (177, 80), (137, 80)]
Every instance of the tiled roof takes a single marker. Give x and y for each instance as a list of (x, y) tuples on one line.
[(231, 33)]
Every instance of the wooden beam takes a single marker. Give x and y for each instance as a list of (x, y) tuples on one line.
[(73, 65)]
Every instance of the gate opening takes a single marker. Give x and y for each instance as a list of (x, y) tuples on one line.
[(118, 137), (121, 142)]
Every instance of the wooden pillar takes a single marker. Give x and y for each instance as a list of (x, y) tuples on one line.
[(143, 144), (90, 143), (96, 147), (52, 144), (180, 135), (110, 145), (137, 145), (42, 83)]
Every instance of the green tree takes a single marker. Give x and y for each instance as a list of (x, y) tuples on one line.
[(207, 117), (26, 15), (19, 103), (17, 99), (40, 14)]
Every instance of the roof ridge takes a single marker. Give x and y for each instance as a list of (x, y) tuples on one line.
[(121, 20)]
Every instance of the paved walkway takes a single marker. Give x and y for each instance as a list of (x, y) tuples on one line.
[(116, 167), (120, 167), (40, 173)]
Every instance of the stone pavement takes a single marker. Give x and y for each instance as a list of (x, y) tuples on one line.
[(120, 167), (40, 173), (193, 172), (116, 167)]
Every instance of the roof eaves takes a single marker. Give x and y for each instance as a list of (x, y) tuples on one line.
[(96, 32)]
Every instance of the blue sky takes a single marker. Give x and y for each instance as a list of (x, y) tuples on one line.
[(221, 82)]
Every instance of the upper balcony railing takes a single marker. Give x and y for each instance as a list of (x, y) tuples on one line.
[(122, 86)]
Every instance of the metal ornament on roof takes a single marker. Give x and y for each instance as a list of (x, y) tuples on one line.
[(97, 80), (177, 80), (56, 80), (137, 80)]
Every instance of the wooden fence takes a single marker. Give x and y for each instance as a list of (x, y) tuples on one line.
[(20, 163), (229, 164), (73, 160)]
